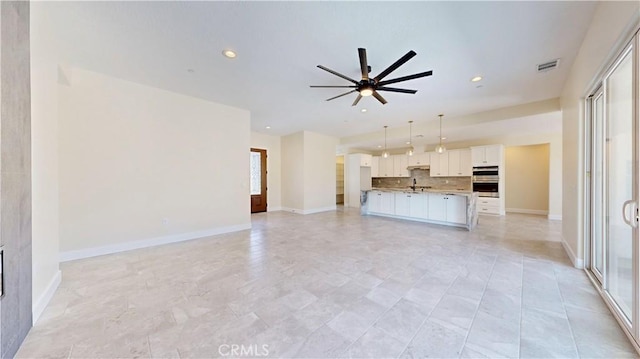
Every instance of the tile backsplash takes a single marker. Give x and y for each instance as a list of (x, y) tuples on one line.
[(423, 179)]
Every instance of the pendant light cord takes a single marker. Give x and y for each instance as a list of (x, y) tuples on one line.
[(440, 130)]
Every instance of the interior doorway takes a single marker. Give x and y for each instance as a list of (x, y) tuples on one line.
[(258, 180), (339, 179)]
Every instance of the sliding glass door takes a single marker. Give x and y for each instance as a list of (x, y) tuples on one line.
[(613, 138)]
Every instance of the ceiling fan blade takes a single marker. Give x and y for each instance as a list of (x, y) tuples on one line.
[(379, 97), (364, 67), (344, 94), (405, 78), (395, 65), (314, 86), (393, 89), (357, 100), (338, 74)]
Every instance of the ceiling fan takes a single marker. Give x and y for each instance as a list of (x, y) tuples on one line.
[(370, 86)]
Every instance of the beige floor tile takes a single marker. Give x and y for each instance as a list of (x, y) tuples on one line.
[(335, 284)]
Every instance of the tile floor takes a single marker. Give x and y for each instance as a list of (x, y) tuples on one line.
[(334, 284)]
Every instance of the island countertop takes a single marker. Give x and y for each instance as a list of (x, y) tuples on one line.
[(423, 190)]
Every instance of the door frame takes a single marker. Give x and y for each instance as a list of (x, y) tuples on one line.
[(263, 180), (630, 328)]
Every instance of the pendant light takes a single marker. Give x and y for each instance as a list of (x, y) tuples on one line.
[(440, 148), (410, 150), (385, 154)]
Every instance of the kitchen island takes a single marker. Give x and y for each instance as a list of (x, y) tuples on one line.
[(447, 207)]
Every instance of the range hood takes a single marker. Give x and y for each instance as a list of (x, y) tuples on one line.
[(418, 167)]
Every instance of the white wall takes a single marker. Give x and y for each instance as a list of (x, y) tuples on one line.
[(140, 166), (319, 172), (527, 179), (610, 24), (293, 172), (308, 172), (274, 168), (44, 162)]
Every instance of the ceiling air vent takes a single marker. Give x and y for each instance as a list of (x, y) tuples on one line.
[(550, 65)]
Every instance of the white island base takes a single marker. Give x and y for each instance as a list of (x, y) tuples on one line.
[(451, 208)]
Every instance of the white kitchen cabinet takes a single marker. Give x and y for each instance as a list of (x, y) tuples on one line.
[(365, 160), (374, 201), (411, 205), (439, 163), (460, 163), (400, 166), (437, 207), (385, 167), (418, 159), (419, 205), (375, 166), (402, 204), (488, 205), (487, 155), (381, 202), (388, 203), (447, 208), (456, 209)]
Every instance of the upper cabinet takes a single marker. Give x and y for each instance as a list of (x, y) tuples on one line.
[(453, 163), (418, 159), (385, 167), (439, 163), (400, 166), (392, 166), (487, 155), (460, 163), (375, 166), (365, 160)]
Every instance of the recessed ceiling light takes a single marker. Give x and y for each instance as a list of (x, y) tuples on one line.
[(408, 143), (268, 127), (419, 136), (229, 53), (379, 146), (444, 138), (476, 79), (363, 110)]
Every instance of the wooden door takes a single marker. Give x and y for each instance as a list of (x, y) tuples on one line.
[(258, 180)]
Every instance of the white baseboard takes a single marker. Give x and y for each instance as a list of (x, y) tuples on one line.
[(42, 302), (310, 211), (527, 211), (577, 262), (151, 242), (274, 209), (555, 217)]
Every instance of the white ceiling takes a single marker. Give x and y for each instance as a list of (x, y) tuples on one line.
[(279, 45)]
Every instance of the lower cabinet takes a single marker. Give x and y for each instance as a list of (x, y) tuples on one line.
[(411, 205), (488, 205), (381, 202), (442, 208), (447, 208)]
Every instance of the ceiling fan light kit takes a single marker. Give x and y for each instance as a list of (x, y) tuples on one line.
[(370, 86)]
